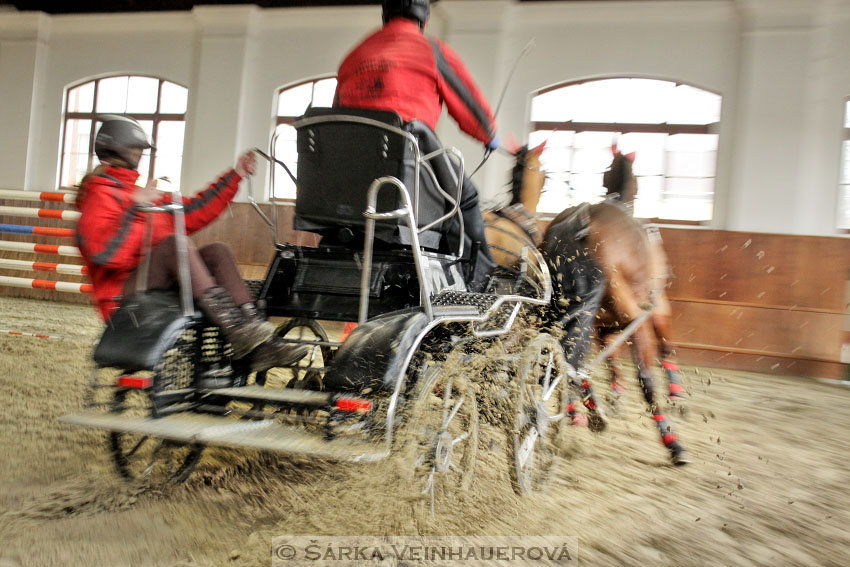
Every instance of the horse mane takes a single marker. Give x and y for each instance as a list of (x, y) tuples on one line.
[(617, 175), (517, 174)]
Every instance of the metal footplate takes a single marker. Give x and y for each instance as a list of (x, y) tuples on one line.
[(265, 435), (273, 395), (482, 303)]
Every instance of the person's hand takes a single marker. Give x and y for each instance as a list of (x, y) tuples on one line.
[(246, 164), (146, 194), (493, 144)]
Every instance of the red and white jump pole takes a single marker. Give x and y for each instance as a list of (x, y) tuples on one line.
[(45, 196), (26, 265), (30, 212), (45, 284)]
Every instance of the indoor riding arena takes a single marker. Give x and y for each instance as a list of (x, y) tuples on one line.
[(420, 407)]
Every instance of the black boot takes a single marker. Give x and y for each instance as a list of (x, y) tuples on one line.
[(273, 352), (244, 334)]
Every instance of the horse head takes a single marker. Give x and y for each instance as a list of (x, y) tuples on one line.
[(527, 177), (619, 178)]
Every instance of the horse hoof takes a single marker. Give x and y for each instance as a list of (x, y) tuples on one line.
[(597, 422), (680, 458)]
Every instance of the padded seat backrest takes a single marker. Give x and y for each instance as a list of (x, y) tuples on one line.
[(339, 158)]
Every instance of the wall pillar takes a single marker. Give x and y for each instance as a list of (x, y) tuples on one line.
[(23, 54), (216, 113)]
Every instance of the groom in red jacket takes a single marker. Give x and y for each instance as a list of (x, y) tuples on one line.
[(399, 68)]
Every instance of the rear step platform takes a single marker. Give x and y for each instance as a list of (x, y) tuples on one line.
[(307, 397), (265, 435)]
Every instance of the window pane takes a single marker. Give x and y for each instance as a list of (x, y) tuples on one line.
[(586, 186), (595, 100), (691, 164), (169, 138), (323, 95), (693, 106), (844, 207), (142, 93), (174, 98), (112, 95), (144, 168), (77, 136), (74, 167), (649, 196), (649, 152), (81, 99), (556, 160), (554, 105), (845, 162), (643, 101), (287, 152), (294, 101), (169, 166), (147, 126)]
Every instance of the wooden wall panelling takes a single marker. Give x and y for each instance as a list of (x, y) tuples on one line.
[(783, 332)]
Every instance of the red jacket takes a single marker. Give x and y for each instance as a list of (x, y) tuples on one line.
[(400, 69), (111, 229)]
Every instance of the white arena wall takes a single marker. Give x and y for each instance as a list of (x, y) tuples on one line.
[(781, 66)]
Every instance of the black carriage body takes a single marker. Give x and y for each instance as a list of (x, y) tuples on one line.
[(324, 282)]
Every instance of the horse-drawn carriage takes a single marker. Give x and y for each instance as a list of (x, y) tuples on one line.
[(405, 382)]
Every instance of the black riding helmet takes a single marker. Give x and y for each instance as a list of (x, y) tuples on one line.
[(418, 10), (117, 136)]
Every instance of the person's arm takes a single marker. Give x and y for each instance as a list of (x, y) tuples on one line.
[(207, 205), (463, 99), (111, 228)]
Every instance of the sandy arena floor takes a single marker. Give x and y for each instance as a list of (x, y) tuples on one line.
[(768, 484)]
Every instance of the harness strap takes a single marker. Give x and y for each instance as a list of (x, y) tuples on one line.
[(520, 216)]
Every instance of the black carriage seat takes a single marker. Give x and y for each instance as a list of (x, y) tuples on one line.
[(339, 158), (140, 331)]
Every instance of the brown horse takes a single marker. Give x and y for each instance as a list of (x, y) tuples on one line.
[(599, 257), (514, 227), (621, 185)]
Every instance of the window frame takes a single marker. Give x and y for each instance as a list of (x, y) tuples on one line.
[(289, 120), (155, 117), (621, 128)]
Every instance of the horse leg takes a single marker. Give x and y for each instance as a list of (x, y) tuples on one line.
[(644, 356), (662, 325), (617, 385), (580, 286)]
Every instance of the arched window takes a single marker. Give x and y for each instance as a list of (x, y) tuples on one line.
[(672, 127), (292, 102), (844, 189), (159, 105)]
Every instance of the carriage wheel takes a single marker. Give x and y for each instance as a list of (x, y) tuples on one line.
[(305, 330), (441, 438), (141, 457), (539, 414), (299, 377)]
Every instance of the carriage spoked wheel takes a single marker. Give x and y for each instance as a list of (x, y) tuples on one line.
[(304, 375), (540, 396), (440, 440), (145, 458)]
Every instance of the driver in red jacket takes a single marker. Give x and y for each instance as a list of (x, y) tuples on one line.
[(112, 230), (399, 68)]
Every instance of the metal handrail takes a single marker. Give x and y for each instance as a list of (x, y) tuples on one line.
[(372, 215), (182, 249)]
